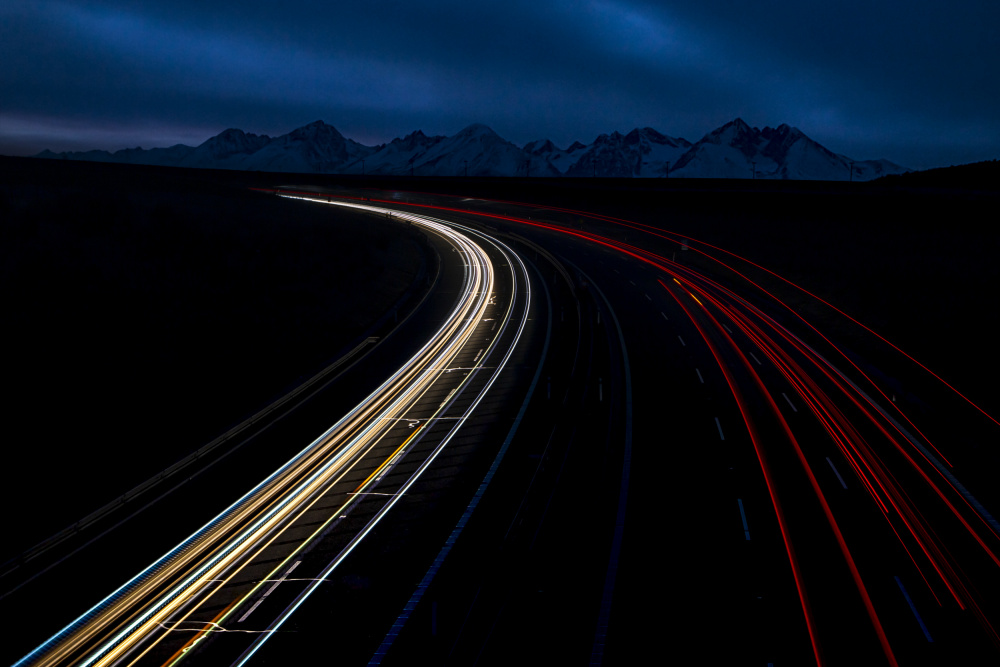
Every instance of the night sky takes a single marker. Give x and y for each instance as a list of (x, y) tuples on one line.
[(913, 81)]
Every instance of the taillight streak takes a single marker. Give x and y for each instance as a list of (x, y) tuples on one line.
[(851, 444), (870, 469), (828, 513)]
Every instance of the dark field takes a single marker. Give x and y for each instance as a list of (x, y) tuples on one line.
[(148, 311)]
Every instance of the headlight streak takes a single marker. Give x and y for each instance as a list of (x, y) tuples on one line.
[(347, 505), (193, 541), (872, 471), (684, 241), (377, 476), (357, 539), (458, 423), (308, 487), (433, 359)]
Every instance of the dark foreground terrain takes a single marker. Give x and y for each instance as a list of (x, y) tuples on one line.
[(147, 311), (206, 299)]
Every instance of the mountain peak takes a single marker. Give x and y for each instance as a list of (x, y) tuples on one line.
[(783, 130), (735, 133), (315, 127), (736, 127), (414, 140), (231, 142), (540, 147), (476, 129), (317, 130), (735, 150)]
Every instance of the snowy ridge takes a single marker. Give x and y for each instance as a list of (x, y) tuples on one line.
[(643, 153), (225, 150), (735, 150), (398, 156)]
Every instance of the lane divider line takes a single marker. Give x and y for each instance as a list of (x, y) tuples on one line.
[(835, 472), (913, 608), (743, 515)]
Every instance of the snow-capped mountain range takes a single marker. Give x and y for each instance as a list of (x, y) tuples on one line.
[(734, 150)]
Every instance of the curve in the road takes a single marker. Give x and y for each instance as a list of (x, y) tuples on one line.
[(145, 605)]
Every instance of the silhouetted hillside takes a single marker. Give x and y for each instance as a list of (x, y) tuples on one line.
[(976, 176)]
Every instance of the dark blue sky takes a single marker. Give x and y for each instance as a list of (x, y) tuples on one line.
[(915, 81)]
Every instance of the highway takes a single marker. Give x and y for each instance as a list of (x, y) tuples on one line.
[(360, 467), (619, 444), (785, 497)]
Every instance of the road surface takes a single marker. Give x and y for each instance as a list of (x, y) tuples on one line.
[(683, 465)]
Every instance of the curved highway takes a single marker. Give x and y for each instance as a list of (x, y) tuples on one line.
[(684, 464), (237, 560), (781, 504)]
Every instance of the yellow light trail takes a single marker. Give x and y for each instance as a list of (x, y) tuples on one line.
[(140, 606)]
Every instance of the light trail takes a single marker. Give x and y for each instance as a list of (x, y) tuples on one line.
[(201, 564), (910, 489), (683, 241), (877, 448)]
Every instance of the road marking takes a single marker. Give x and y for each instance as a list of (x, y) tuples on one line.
[(700, 378), (727, 328), (366, 493), (633, 283), (424, 583), (649, 298), (719, 425), (913, 608), (269, 591), (683, 344), (790, 404), (756, 359), (448, 397), (743, 515), (664, 316), (836, 473)]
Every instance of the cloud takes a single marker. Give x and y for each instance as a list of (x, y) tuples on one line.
[(849, 73)]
